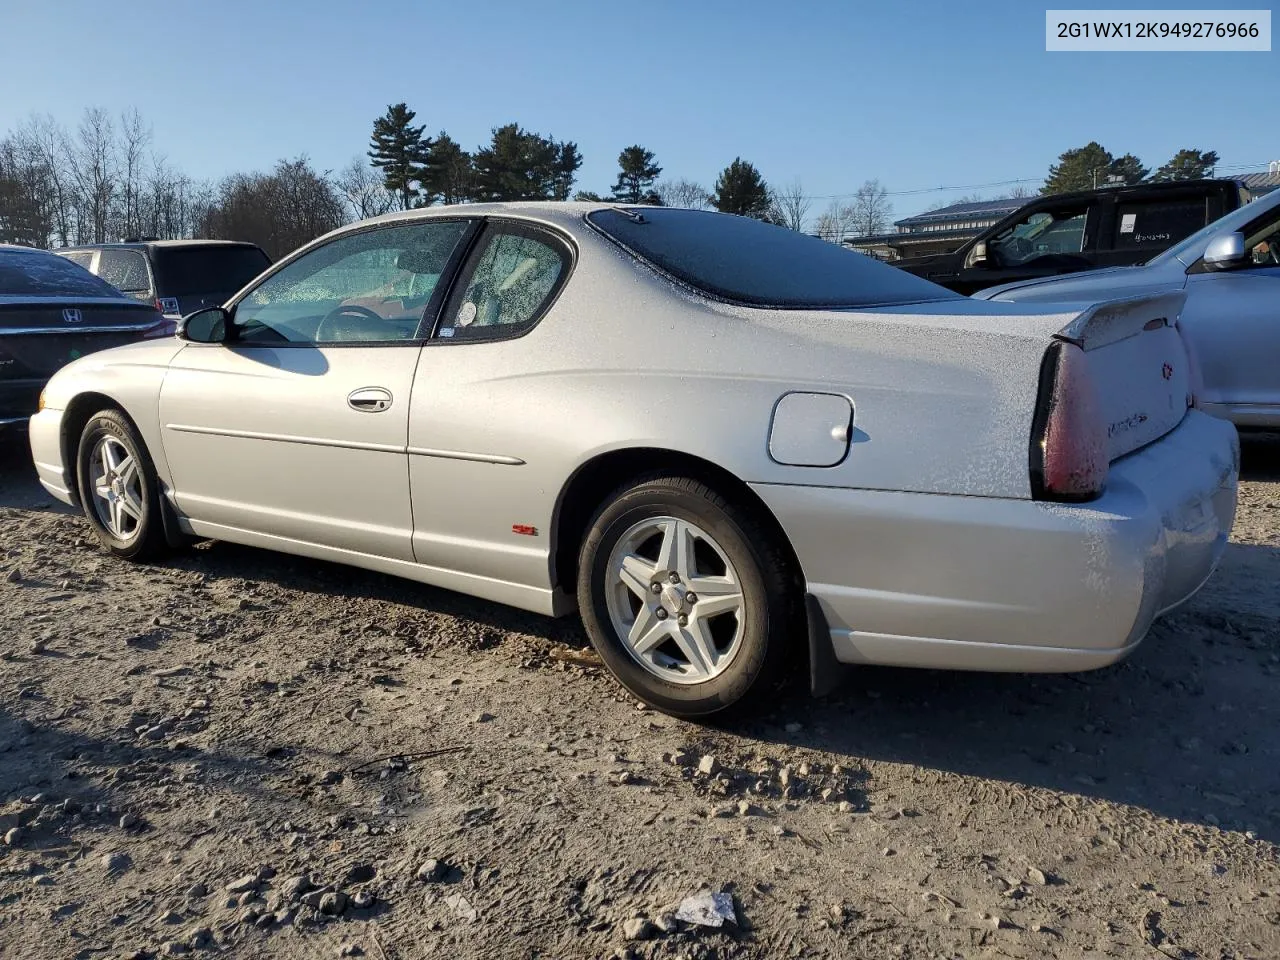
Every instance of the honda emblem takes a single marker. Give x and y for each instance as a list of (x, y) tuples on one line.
[(72, 315)]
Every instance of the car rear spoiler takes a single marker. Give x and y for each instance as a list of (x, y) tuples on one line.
[(1110, 321)]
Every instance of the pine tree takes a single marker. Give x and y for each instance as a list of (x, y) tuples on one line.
[(1083, 168), (1189, 164), (446, 174), (399, 150), (1129, 169), (637, 173), (568, 160), (520, 165), (740, 189)]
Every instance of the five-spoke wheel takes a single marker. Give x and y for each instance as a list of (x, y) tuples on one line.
[(118, 486), (685, 595)]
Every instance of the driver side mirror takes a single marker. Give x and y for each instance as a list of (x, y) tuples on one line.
[(1225, 251), (977, 256), (210, 325)]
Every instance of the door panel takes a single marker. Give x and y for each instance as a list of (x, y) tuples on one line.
[(264, 439), (472, 489), (1233, 321)]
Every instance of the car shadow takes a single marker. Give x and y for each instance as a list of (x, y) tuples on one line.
[(1186, 728)]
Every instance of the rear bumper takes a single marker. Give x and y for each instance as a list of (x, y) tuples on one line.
[(975, 583), (45, 436), (18, 400)]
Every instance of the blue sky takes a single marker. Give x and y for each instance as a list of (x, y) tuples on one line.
[(919, 94)]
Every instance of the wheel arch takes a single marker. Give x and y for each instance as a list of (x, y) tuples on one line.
[(78, 412), (591, 483)]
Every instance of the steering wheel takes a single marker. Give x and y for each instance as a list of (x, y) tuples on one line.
[(350, 312)]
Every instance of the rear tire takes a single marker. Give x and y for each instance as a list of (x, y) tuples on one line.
[(119, 489), (648, 552)]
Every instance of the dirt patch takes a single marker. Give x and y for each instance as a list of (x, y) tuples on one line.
[(245, 754)]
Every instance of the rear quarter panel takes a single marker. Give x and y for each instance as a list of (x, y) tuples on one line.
[(627, 360)]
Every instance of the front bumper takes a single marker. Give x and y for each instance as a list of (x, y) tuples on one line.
[(975, 583), (44, 432)]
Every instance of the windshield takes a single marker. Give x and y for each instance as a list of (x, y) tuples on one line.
[(187, 271), (1190, 249), (749, 261), (40, 274)]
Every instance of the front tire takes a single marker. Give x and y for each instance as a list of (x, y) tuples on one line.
[(119, 489), (685, 596)]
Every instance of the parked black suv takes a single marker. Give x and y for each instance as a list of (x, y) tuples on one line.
[(178, 276), (1069, 232)]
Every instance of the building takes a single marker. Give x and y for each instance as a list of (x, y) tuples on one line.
[(1260, 184), (936, 231)]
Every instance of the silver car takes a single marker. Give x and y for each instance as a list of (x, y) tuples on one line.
[(724, 443), (1230, 273)]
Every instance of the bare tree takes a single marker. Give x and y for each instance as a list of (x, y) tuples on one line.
[(835, 223), (25, 214), (683, 193), (94, 169), (278, 211), (791, 206), (1021, 192), (363, 189), (871, 209), (134, 137), (46, 142)]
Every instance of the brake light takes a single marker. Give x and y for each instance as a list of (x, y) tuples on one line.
[(1069, 435)]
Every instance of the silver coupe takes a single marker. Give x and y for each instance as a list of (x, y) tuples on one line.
[(727, 445)]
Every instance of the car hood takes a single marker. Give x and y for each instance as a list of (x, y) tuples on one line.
[(1088, 286), (143, 353)]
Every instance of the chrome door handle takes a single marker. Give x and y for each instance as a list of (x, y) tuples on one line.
[(369, 399)]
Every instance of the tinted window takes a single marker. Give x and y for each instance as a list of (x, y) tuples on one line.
[(1040, 234), (369, 286), (186, 271), (1157, 223), (42, 274), (126, 270), (514, 275), (750, 261)]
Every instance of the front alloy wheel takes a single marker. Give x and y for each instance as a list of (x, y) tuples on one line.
[(118, 486), (116, 494)]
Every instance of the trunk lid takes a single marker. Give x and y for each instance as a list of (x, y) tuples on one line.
[(40, 335), (1140, 365)]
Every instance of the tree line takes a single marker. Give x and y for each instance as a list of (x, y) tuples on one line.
[(103, 180), (1093, 166)]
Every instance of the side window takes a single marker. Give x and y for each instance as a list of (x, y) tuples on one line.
[(1262, 244), (515, 274), (126, 270), (368, 287), (1043, 233), (1156, 224)]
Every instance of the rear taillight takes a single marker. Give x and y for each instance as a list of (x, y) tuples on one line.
[(1069, 435)]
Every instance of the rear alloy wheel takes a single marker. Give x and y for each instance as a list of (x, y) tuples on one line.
[(119, 488), (684, 596)]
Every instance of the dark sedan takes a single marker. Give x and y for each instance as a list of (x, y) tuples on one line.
[(51, 312)]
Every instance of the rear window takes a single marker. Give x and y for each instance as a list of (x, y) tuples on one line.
[(186, 271), (40, 274), (126, 270), (749, 261)]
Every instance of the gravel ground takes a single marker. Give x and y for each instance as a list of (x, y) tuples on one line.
[(242, 754)]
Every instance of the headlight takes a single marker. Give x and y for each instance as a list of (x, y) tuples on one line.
[(40, 402)]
